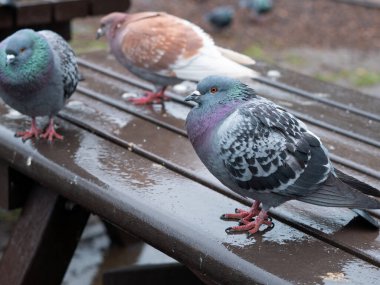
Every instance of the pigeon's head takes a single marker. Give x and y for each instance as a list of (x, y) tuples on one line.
[(19, 46), (220, 90), (110, 23)]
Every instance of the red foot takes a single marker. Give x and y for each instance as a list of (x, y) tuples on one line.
[(150, 97), (33, 132), (242, 215), (50, 134), (253, 227)]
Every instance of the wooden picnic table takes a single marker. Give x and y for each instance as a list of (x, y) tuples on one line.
[(135, 168), (53, 14)]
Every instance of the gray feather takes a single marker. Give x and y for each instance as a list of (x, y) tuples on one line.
[(67, 61)]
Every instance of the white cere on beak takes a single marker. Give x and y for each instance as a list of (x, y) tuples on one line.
[(10, 58), (196, 93), (99, 33)]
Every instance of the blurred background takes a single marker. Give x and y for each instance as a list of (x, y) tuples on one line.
[(333, 41), (337, 41)]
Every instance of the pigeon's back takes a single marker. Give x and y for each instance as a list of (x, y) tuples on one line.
[(65, 61), (161, 48)]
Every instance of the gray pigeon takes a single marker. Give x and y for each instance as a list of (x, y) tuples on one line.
[(221, 17), (259, 150), (38, 73)]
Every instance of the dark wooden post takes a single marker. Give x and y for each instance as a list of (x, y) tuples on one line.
[(43, 240)]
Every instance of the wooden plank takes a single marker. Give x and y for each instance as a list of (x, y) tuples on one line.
[(171, 212), (174, 115), (69, 9), (158, 274), (146, 136), (322, 89), (317, 110), (33, 13), (43, 240), (168, 210), (99, 7), (330, 221), (13, 187), (6, 16)]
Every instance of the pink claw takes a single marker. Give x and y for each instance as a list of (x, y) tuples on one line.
[(252, 227), (242, 215), (247, 223), (50, 134), (32, 132), (150, 97)]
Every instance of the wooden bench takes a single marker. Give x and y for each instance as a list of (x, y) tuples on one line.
[(53, 14), (134, 167)]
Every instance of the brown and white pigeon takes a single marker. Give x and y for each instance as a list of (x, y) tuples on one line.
[(165, 50)]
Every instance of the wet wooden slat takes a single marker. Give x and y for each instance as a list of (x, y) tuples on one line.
[(331, 115), (174, 115), (320, 89), (134, 193), (121, 166), (145, 135), (340, 145)]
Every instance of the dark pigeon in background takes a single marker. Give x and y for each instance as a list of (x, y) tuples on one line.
[(38, 73), (166, 50), (256, 7), (261, 151), (221, 17)]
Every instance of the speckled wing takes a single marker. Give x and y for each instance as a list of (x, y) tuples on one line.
[(68, 64), (266, 149)]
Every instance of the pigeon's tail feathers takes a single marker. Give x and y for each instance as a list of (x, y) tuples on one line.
[(203, 66), (367, 216), (335, 193), (237, 57), (357, 184)]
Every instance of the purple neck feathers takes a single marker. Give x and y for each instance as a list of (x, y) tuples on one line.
[(202, 120)]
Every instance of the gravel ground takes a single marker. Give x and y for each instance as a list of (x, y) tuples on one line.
[(327, 39)]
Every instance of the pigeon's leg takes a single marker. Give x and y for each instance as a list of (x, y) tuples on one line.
[(242, 215), (253, 226), (50, 134), (150, 97), (33, 132)]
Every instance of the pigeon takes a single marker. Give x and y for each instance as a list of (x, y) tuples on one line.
[(257, 7), (259, 150), (220, 17), (38, 73), (166, 50)]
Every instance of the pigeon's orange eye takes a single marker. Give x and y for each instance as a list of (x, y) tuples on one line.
[(22, 49), (214, 89)]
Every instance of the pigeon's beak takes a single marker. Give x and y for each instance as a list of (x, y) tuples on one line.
[(100, 33), (193, 96), (10, 58)]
